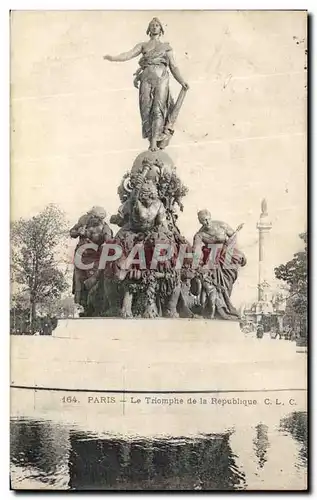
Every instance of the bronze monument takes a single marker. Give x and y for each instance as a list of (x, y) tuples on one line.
[(153, 270)]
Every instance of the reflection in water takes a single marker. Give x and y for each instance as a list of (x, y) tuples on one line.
[(55, 456), (261, 444), (296, 425), (41, 450), (202, 463)]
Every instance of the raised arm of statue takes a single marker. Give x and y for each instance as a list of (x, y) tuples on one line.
[(134, 197), (125, 56), (175, 71)]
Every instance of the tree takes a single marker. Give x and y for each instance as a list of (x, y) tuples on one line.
[(64, 307), (34, 268), (294, 273)]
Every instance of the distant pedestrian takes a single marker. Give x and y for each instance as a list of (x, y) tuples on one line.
[(47, 326), (259, 332)]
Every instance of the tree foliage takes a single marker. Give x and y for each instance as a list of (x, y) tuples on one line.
[(34, 264), (294, 273), (63, 307)]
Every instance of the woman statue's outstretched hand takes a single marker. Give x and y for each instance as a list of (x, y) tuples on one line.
[(107, 57)]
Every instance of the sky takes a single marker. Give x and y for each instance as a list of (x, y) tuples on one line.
[(240, 136)]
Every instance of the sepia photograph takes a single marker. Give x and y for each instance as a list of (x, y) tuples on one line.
[(158, 230)]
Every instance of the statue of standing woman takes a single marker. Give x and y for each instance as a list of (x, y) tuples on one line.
[(157, 109)]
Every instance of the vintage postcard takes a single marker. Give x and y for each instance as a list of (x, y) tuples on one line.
[(159, 250)]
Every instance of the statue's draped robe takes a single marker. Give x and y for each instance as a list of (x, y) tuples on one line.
[(155, 99), (227, 259), (89, 256)]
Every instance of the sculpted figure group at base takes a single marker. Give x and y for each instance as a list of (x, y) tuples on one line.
[(90, 228), (153, 271), (155, 274), (214, 285), (147, 220)]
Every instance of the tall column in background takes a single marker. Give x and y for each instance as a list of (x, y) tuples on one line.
[(264, 226)]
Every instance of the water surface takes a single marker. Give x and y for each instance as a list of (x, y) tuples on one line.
[(48, 454)]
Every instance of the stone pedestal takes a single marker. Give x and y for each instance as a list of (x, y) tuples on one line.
[(153, 355), (98, 374), (142, 330)]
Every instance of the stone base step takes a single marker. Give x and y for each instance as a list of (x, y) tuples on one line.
[(154, 355)]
